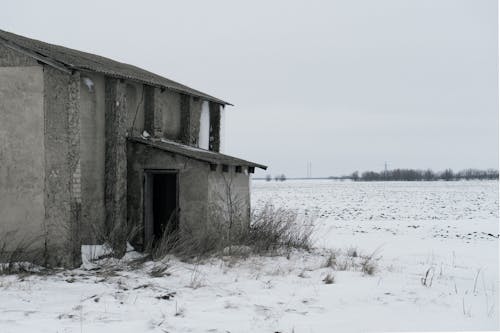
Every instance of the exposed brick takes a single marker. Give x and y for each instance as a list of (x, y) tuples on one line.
[(73, 130)]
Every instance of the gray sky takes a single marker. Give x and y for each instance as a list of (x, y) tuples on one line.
[(345, 84)]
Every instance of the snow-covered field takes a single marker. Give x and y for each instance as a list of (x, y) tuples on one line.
[(438, 269)]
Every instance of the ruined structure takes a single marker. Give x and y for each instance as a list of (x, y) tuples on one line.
[(88, 143)]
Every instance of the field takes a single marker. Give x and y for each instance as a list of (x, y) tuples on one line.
[(432, 247)]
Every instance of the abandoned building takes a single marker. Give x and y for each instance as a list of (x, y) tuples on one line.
[(88, 143)]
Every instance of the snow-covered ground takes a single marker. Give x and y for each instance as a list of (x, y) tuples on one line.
[(447, 230)]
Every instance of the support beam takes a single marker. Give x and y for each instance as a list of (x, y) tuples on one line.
[(116, 154), (185, 119), (214, 137)]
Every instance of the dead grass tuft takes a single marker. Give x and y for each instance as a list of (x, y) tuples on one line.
[(17, 254), (269, 231)]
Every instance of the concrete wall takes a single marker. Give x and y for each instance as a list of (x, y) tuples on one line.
[(174, 116), (193, 184), (170, 104), (92, 147), (22, 151), (135, 107), (40, 155), (62, 165), (226, 187)]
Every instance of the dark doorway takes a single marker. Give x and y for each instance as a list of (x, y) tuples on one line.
[(160, 205)]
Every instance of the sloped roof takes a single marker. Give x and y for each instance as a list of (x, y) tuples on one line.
[(195, 153), (60, 56)]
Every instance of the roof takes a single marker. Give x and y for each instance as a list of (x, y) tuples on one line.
[(194, 152), (65, 58)]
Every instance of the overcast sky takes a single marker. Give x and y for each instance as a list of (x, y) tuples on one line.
[(346, 85)]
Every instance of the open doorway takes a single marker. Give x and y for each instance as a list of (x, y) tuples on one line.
[(161, 192)]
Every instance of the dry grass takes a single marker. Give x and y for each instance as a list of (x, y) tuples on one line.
[(329, 279), (270, 230), (17, 254), (274, 228), (353, 260), (116, 237)]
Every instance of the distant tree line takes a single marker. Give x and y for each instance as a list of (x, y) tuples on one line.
[(427, 175)]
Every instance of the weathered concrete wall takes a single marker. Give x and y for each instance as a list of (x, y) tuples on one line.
[(22, 151), (48, 124), (62, 166), (135, 108), (193, 184), (92, 145), (229, 196), (174, 116), (169, 103), (74, 166)]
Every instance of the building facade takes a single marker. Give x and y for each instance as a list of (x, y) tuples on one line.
[(89, 144)]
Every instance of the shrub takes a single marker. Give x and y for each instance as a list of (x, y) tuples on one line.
[(273, 228), (369, 263), (352, 252), (269, 230), (368, 266), (331, 261)]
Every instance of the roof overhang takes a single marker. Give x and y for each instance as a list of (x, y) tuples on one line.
[(195, 153)]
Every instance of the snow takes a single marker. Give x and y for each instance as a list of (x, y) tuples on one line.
[(91, 253), (449, 230), (89, 83), (204, 126)]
